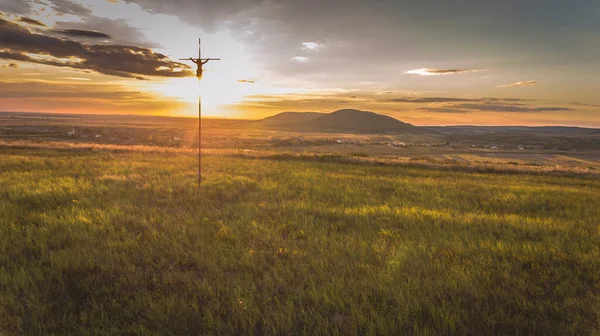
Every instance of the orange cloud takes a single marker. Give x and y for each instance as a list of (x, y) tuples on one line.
[(527, 83)]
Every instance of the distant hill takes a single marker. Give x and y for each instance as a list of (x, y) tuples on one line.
[(341, 121), (289, 118)]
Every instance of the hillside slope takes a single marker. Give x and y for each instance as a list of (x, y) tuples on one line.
[(289, 118), (341, 121)]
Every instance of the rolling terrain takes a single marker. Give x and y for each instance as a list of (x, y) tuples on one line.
[(340, 231), (345, 131)]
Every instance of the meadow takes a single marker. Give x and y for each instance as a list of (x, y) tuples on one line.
[(122, 243)]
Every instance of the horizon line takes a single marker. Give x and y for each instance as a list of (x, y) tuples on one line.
[(244, 119)]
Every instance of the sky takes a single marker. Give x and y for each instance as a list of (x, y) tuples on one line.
[(427, 62)]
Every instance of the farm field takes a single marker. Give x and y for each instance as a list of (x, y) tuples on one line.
[(540, 159), (114, 241)]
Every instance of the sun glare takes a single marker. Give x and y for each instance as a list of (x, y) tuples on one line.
[(224, 82), (215, 93)]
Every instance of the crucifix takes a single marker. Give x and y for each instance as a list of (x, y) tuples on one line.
[(199, 62)]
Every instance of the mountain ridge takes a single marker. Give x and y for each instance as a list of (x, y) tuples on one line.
[(340, 121)]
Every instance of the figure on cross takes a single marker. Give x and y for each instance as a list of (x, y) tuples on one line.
[(199, 61)]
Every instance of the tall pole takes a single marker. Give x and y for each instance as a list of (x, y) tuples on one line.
[(199, 134), (199, 117), (200, 62)]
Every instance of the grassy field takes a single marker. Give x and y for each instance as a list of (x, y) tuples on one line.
[(120, 243)]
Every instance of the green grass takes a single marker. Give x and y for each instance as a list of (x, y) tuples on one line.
[(98, 243)]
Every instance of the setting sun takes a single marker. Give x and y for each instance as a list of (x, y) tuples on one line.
[(215, 93), (225, 82)]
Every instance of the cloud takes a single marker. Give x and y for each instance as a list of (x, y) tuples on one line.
[(20, 44), (583, 104), (78, 78), (426, 100), (435, 100), (311, 46), (249, 81), (443, 110), (438, 72), (512, 108), (300, 59), (70, 7), (527, 83), (119, 30), (491, 99), (82, 33), (51, 96), (15, 6), (492, 107), (10, 65), (407, 34), (31, 21), (272, 31), (431, 104), (37, 89)]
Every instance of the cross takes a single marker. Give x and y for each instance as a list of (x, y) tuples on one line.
[(199, 62)]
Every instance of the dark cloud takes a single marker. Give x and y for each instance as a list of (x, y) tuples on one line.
[(375, 38), (14, 56), (275, 32), (427, 100), (527, 83), (443, 110), (450, 71), (511, 108), (31, 21), (372, 102), (305, 102), (82, 33), (69, 7), (432, 104), (491, 107), (437, 72), (15, 6), (10, 65), (434, 100), (116, 60), (13, 65), (119, 30), (583, 104), (514, 100)]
